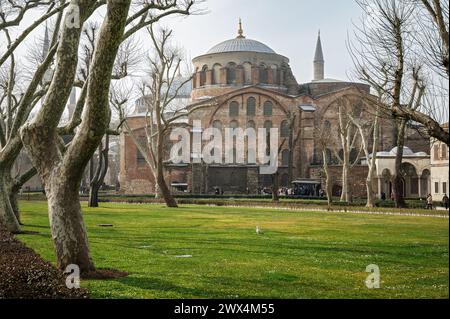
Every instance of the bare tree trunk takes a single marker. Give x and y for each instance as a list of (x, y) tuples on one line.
[(15, 204), (93, 196), (397, 179), (372, 166), (275, 187), (99, 177), (61, 168), (346, 195), (165, 191), (328, 182), (67, 225), (7, 216)]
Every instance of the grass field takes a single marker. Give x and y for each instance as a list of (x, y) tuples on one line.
[(214, 252)]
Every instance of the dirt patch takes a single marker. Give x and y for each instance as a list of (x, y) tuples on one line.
[(24, 274)]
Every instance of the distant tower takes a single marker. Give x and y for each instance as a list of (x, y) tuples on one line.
[(319, 63), (46, 44)]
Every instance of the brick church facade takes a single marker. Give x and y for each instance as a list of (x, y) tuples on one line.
[(244, 83)]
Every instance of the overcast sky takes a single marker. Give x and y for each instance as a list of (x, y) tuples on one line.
[(289, 27)]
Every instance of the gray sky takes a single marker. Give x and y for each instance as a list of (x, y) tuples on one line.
[(289, 27)]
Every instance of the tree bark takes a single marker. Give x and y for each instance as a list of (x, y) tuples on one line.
[(397, 179), (328, 183), (275, 187), (67, 224), (7, 216), (61, 168), (162, 185)]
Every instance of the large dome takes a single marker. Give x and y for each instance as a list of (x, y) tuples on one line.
[(241, 45)]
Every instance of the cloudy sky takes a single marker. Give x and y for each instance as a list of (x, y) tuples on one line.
[(289, 27)]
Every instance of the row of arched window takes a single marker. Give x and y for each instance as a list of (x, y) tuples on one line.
[(285, 156), (247, 72), (284, 126), (251, 108)]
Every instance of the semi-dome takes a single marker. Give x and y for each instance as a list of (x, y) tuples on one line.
[(241, 45)]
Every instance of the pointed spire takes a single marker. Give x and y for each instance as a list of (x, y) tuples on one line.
[(319, 63), (240, 30), (46, 44), (318, 56)]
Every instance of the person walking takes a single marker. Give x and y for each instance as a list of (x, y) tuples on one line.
[(445, 201), (429, 202)]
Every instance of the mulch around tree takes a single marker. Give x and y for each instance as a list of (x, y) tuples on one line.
[(24, 274)]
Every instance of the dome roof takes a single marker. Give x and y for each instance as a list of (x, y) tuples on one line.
[(240, 45), (406, 151)]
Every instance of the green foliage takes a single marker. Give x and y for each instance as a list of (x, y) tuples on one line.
[(297, 255)]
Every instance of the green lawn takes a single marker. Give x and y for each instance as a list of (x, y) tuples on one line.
[(299, 255)]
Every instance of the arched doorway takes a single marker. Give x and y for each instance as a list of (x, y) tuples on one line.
[(410, 180), (386, 187), (425, 183)]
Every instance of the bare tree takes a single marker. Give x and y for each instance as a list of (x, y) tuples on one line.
[(385, 59), (97, 175), (348, 141), (162, 111), (18, 98), (61, 166), (325, 140), (365, 129)]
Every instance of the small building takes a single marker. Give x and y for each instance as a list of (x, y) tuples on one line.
[(439, 168), (415, 173)]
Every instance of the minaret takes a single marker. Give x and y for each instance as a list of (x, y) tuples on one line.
[(46, 45), (240, 30), (319, 63)]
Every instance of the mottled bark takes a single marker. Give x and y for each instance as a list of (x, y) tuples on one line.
[(328, 182), (397, 180), (7, 216), (61, 169), (98, 178), (163, 188)]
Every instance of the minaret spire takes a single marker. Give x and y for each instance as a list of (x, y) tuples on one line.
[(319, 62), (240, 30)]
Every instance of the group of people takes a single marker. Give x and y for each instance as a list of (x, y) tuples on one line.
[(430, 201)]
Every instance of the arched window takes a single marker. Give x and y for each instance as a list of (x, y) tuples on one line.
[(285, 158), (231, 73), (251, 106), (140, 158), (216, 73), (284, 182), (274, 70), (284, 129), (267, 126), (203, 75), (251, 124), (234, 109), (234, 124), (444, 152), (217, 124), (263, 74), (268, 108)]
